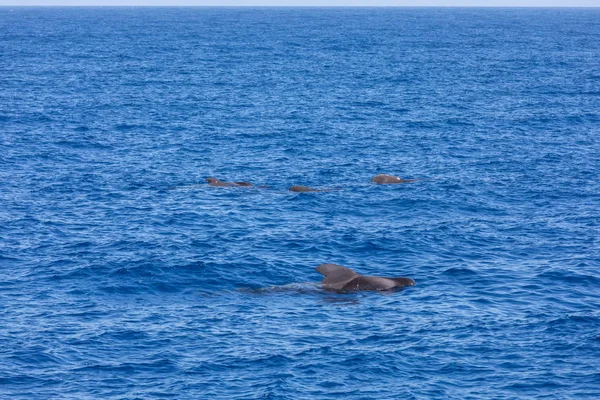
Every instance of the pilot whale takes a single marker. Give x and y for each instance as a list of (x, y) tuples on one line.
[(341, 279), (218, 183), (302, 189), (389, 179)]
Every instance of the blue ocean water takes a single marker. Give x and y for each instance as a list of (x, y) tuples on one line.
[(124, 275)]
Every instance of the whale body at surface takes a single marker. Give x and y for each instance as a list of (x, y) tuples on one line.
[(218, 183), (383, 179), (342, 279)]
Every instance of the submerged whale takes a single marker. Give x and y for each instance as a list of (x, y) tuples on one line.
[(342, 279), (301, 189), (389, 179), (218, 183)]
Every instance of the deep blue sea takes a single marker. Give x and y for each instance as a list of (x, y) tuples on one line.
[(123, 275)]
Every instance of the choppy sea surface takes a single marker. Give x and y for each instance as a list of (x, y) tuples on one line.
[(123, 275)]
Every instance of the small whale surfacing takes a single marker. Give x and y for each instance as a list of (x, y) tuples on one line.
[(302, 189), (218, 183), (384, 179)]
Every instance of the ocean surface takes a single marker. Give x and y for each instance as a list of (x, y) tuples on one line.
[(123, 275)]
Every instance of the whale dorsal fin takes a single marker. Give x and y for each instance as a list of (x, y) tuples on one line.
[(336, 276)]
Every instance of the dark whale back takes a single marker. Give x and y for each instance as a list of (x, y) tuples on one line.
[(389, 179), (300, 188), (336, 276), (376, 283), (219, 183), (342, 279)]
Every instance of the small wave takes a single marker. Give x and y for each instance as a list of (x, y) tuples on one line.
[(127, 127), (5, 258), (562, 275), (575, 318), (460, 271), (82, 145)]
